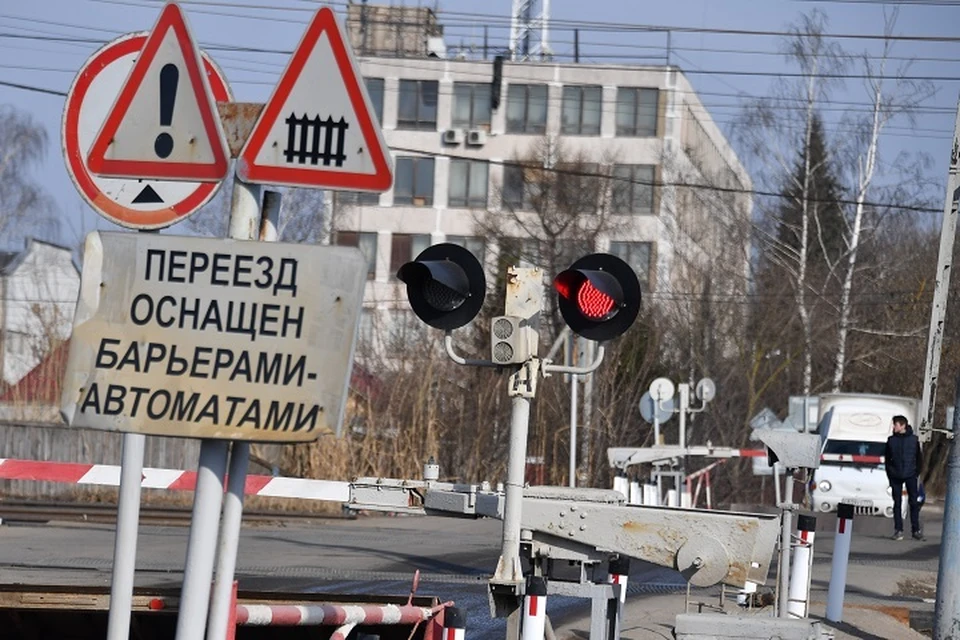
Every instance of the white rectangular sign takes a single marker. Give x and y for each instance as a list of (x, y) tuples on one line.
[(213, 338)]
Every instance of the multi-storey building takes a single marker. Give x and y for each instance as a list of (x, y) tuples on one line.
[(472, 139)]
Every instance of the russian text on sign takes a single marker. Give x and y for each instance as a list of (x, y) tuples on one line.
[(213, 338)]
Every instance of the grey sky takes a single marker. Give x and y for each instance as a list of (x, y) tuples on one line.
[(44, 42)]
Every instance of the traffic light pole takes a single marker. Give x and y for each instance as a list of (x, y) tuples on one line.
[(508, 578), (599, 299)]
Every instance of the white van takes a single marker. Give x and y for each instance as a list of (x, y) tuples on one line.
[(853, 430)]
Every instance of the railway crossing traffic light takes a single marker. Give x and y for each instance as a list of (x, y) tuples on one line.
[(445, 286), (599, 296)]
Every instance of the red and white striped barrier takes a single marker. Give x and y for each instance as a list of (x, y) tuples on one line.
[(171, 479), (703, 479), (265, 615)]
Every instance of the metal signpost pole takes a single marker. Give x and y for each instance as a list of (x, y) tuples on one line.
[(783, 608), (509, 569), (125, 545), (202, 543), (574, 399), (204, 527), (222, 598)]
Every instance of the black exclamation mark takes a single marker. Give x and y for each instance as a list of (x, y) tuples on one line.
[(169, 76)]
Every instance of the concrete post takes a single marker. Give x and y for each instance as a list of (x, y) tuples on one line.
[(454, 623), (841, 556), (947, 609), (534, 609), (619, 573), (801, 566)]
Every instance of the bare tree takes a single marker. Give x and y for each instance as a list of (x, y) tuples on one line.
[(24, 206), (551, 208), (767, 135), (899, 100)]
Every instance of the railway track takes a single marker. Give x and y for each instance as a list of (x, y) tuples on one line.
[(35, 512)]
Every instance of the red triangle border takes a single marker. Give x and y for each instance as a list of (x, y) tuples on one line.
[(170, 18), (380, 180)]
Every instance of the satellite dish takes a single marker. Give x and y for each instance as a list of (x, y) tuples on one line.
[(649, 408), (661, 389), (706, 390)]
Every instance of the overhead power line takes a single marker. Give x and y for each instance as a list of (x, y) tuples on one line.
[(474, 19), (656, 184), (26, 87)]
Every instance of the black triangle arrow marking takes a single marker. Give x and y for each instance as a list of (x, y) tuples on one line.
[(148, 196)]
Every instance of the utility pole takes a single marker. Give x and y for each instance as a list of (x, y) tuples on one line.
[(944, 264), (947, 609)]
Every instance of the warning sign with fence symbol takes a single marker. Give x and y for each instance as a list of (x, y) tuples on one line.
[(318, 128)]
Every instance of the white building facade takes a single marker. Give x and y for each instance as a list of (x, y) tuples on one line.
[(38, 295), (456, 129)]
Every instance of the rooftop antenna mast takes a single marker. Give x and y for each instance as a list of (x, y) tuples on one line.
[(530, 30)]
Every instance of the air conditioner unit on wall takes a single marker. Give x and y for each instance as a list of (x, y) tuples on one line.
[(452, 136), (476, 137)]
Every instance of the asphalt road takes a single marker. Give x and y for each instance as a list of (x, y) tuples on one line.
[(378, 555)]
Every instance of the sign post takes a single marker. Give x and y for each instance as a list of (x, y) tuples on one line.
[(213, 339)]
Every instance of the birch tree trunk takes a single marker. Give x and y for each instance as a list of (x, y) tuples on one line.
[(901, 101)]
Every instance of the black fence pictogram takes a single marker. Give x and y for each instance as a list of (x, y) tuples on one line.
[(307, 132)]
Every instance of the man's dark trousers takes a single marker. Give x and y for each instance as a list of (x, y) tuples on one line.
[(896, 485)]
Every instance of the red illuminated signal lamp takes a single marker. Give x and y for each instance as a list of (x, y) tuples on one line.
[(598, 296)]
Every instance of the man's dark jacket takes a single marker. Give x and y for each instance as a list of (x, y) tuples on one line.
[(902, 456)]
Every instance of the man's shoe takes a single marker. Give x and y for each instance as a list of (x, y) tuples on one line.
[(897, 535), (918, 535)]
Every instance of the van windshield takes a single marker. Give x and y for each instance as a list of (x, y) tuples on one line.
[(854, 448)]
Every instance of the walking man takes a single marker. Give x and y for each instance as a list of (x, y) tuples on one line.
[(903, 460)]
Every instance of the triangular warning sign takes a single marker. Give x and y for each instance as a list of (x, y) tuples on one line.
[(164, 123), (318, 129)]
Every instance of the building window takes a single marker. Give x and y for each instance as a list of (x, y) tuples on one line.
[(520, 192), (578, 186), (513, 190), (633, 188), (474, 244), (581, 111), (413, 181), (418, 105), (471, 105), (375, 91), (637, 111), (366, 241), (356, 198), (527, 108), (637, 255), (404, 247), (468, 184)]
